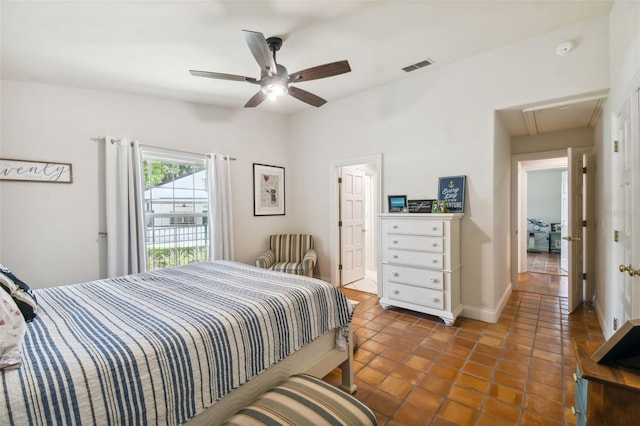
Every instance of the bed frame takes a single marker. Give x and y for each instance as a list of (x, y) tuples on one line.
[(318, 359)]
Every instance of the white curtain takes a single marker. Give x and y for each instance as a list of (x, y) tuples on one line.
[(125, 215), (220, 215)]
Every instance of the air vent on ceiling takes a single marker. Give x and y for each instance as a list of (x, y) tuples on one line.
[(417, 65)]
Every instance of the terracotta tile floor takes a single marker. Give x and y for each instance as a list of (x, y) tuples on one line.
[(411, 369), (544, 276), (544, 263)]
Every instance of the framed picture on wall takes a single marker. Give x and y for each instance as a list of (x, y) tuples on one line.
[(35, 171), (268, 190)]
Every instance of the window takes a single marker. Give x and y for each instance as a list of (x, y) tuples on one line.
[(176, 208)]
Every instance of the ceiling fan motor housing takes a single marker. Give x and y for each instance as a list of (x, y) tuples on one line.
[(271, 82)]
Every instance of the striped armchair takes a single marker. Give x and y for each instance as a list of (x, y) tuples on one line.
[(291, 253)]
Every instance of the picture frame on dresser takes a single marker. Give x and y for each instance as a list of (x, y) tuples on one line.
[(397, 203), (451, 189), (439, 206), (419, 206)]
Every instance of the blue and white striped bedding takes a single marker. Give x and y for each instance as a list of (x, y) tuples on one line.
[(159, 347)]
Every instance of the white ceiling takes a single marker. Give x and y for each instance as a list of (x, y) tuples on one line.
[(557, 115), (146, 47)]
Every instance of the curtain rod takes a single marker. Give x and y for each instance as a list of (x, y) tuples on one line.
[(118, 141)]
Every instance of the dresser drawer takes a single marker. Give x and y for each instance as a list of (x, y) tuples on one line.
[(580, 408), (422, 227), (416, 258), (415, 242), (414, 276), (416, 295)]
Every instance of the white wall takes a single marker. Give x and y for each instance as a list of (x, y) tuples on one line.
[(50, 231), (439, 121), (544, 188), (501, 220), (435, 122), (624, 76)]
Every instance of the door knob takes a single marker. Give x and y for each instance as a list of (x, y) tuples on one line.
[(629, 269), (570, 238)]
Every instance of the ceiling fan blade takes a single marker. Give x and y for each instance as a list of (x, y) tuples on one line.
[(255, 100), (306, 97), (222, 76), (260, 50), (321, 71)]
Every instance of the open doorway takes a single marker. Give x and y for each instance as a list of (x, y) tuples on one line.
[(539, 217), (355, 191), (544, 205)]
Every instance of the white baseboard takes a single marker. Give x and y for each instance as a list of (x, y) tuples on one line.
[(606, 331), (485, 314)]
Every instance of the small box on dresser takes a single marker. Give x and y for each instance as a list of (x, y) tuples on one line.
[(420, 263)]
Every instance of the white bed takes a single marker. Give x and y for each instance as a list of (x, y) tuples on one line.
[(188, 344)]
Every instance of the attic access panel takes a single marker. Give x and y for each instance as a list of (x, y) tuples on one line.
[(623, 347)]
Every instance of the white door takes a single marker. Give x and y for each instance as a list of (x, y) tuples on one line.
[(352, 200), (625, 303), (575, 216)]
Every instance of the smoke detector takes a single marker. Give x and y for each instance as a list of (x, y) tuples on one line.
[(565, 48)]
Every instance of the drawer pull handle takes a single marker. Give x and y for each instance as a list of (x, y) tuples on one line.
[(435, 228), (435, 300), (395, 241), (396, 274), (436, 261), (396, 291), (575, 378), (435, 244), (435, 280), (395, 226), (395, 256)]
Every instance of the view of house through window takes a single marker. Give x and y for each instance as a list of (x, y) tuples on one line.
[(176, 209)]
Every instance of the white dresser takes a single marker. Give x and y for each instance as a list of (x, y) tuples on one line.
[(420, 263)]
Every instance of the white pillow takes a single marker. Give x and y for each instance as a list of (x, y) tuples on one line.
[(12, 329)]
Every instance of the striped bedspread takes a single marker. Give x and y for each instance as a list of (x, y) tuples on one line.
[(160, 347)]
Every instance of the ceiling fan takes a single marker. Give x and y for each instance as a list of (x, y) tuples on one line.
[(274, 79)]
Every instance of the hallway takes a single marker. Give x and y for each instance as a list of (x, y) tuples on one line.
[(545, 276)]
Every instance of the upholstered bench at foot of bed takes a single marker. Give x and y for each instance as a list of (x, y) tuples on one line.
[(304, 400)]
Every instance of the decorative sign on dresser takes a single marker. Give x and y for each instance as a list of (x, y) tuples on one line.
[(420, 263)]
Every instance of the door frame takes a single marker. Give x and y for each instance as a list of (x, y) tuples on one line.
[(520, 165), (518, 215), (334, 204)]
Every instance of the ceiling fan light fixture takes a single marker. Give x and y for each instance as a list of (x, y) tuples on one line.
[(274, 90)]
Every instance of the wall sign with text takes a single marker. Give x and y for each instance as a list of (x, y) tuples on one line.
[(451, 190), (35, 171)]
